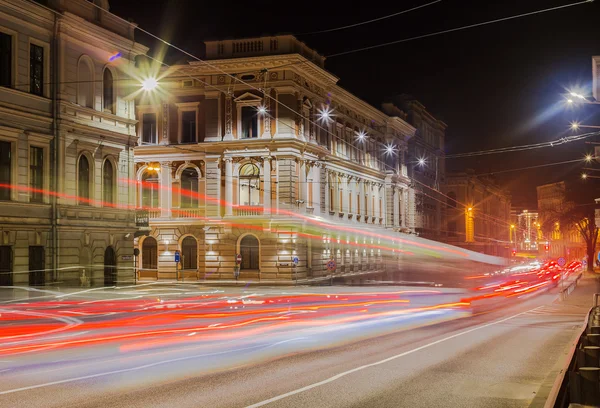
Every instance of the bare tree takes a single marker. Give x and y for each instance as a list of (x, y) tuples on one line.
[(579, 217)]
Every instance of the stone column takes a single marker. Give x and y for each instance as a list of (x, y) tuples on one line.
[(165, 189), (327, 186), (396, 207), (228, 185), (267, 184), (303, 190), (267, 116), (403, 215), (228, 118), (312, 137), (300, 118)]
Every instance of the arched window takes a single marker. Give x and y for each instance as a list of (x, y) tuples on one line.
[(149, 253), (108, 91), (108, 183), (189, 188), (249, 250), (451, 201), (85, 84), (83, 180), (189, 252), (249, 185), (149, 190)]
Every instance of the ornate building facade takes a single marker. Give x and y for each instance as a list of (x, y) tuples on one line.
[(426, 164), (477, 214), (67, 131), (258, 153)]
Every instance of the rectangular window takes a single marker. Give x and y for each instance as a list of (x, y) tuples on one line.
[(249, 122), (341, 209), (5, 170), (149, 134), (380, 208), (366, 205), (358, 203), (36, 69), (5, 60), (36, 174), (188, 127), (310, 194)]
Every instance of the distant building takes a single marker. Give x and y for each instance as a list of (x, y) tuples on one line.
[(425, 163), (477, 214), (525, 231), (558, 240)]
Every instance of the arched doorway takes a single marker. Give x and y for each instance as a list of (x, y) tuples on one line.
[(189, 252), (149, 254), (249, 249), (110, 267)]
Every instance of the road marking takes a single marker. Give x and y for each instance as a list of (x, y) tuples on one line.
[(142, 367), (345, 373)]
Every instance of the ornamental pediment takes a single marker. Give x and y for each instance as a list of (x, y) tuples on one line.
[(248, 97)]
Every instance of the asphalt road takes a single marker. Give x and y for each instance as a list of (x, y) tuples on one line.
[(367, 350)]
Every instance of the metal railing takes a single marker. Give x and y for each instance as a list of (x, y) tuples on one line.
[(186, 212)]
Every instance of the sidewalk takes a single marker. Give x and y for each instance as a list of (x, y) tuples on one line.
[(578, 303)]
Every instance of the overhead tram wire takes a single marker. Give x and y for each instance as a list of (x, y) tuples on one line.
[(370, 21), (498, 20), (519, 148)]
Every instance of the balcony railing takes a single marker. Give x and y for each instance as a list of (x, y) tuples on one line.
[(247, 210), (186, 212)]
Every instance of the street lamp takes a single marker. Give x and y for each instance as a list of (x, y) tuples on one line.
[(149, 84), (422, 161), (584, 176)]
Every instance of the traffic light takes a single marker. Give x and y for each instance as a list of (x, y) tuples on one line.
[(546, 247), (514, 252)]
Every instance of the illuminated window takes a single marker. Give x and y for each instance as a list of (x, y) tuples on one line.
[(249, 185), (350, 202)]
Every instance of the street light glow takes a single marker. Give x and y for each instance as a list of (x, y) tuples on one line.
[(262, 110), (588, 158), (325, 114), (574, 125), (422, 161), (569, 101), (583, 176), (361, 135), (390, 149), (149, 84)]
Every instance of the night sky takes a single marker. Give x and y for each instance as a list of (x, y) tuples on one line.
[(497, 85)]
